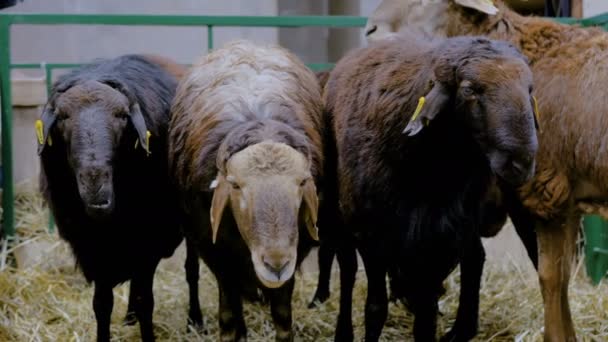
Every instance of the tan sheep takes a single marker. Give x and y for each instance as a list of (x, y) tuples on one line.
[(246, 134), (570, 66)]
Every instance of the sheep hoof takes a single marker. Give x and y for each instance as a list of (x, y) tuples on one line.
[(318, 299), (458, 335), (130, 318), (344, 335), (195, 322)]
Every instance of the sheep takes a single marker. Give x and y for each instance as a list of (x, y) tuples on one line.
[(326, 252), (104, 173), (327, 248), (569, 66), (423, 130), (246, 134)]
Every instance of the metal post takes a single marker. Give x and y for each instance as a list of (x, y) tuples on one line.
[(209, 38), (48, 72), (8, 213)]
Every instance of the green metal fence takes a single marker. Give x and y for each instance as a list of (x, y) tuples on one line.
[(8, 20)]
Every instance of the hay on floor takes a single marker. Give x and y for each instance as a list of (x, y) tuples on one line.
[(50, 301)]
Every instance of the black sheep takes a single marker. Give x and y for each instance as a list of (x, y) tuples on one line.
[(103, 151)]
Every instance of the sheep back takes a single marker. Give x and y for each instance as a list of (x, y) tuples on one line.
[(243, 88)]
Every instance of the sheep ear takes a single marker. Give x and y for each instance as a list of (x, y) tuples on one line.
[(137, 118), (311, 208), (43, 128), (218, 203), (428, 108), (484, 6)]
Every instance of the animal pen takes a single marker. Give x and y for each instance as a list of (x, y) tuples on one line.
[(211, 22)]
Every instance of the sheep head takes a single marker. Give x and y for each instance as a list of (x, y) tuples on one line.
[(88, 121), (271, 193), (487, 86), (427, 16)]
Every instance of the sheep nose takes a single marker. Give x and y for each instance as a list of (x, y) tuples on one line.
[(523, 169), (275, 265), (523, 165)]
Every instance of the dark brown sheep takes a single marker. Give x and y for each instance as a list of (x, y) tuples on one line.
[(246, 151), (423, 130), (570, 67), (103, 153), (329, 245)]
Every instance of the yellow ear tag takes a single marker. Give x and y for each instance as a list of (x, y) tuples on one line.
[(49, 140), (148, 135), (418, 108), (39, 133), (536, 112)]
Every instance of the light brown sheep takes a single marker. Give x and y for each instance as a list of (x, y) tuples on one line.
[(570, 66), (246, 134)]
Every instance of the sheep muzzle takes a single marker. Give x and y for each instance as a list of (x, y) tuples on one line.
[(96, 189)]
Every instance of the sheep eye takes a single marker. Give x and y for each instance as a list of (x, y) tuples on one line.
[(302, 183), (235, 186), (467, 92), (530, 89), (122, 116)]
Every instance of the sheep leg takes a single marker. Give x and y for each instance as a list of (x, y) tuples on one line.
[(347, 259), (376, 304), (103, 301), (524, 227), (572, 229), (424, 306), (523, 222), (232, 323), (144, 301), (556, 249), (195, 317), (130, 317), (471, 266), (396, 293), (326, 258), (280, 309)]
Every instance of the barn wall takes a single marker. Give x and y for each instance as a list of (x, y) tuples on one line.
[(594, 7), (84, 43)]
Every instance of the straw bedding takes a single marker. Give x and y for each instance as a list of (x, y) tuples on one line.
[(50, 301)]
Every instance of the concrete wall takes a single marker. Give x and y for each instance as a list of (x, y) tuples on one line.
[(309, 43), (594, 7), (84, 43), (342, 40)]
